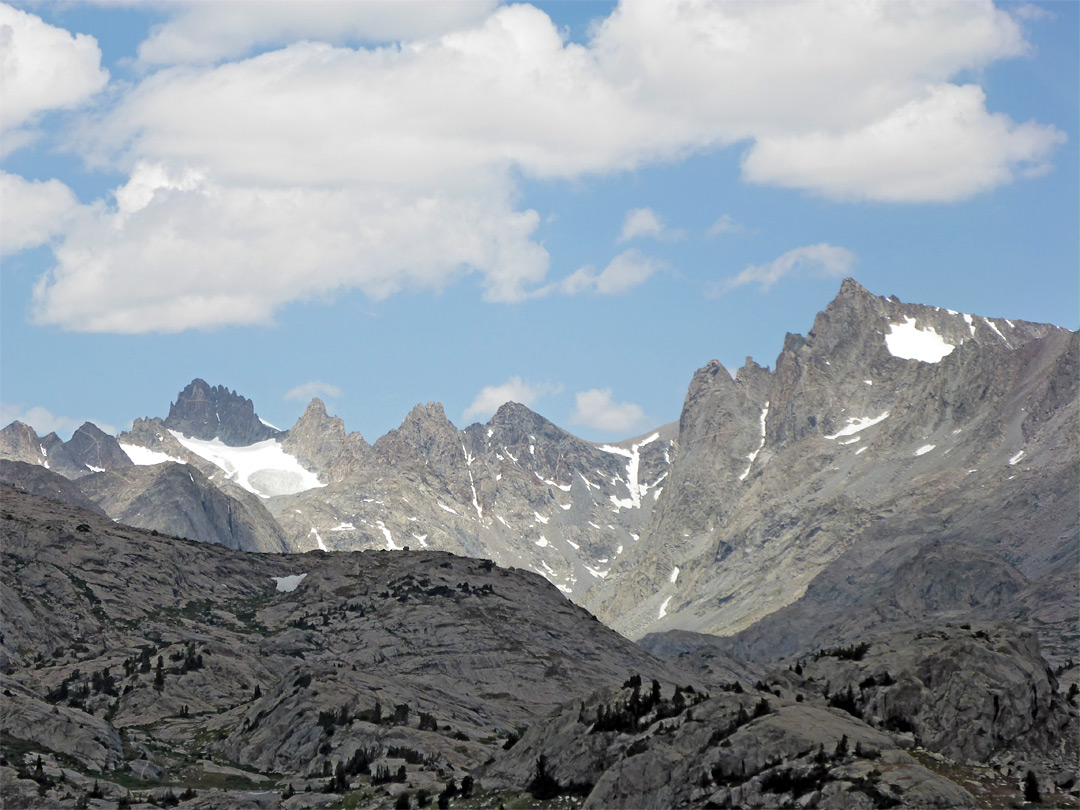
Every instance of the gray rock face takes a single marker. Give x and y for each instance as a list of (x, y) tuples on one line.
[(96, 450), (177, 499), (37, 480), (829, 483), (205, 412)]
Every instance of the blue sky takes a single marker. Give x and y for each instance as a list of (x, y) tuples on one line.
[(574, 205)]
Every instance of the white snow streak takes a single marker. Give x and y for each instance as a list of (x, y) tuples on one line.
[(540, 518), (322, 545), (663, 608), (857, 423), (1005, 340), (926, 448), (1016, 458), (542, 542), (753, 455), (143, 457), (674, 574), (390, 544), (636, 489), (446, 508)]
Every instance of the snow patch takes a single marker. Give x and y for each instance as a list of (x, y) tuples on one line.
[(144, 458), (860, 450), (542, 542), (342, 527), (262, 468), (445, 508), (540, 518), (926, 448), (565, 506), (92, 468), (857, 423), (674, 574), (322, 545), (288, 584), (910, 343), (1016, 458)]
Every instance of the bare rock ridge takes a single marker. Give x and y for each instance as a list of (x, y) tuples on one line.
[(144, 669), (205, 412), (806, 503)]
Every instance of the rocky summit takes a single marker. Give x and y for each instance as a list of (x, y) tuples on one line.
[(852, 577)]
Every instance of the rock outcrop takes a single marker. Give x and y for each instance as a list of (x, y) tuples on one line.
[(214, 412)]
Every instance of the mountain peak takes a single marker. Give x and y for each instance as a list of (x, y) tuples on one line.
[(214, 412)]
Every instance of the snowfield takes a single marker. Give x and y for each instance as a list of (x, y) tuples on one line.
[(910, 343), (263, 468)]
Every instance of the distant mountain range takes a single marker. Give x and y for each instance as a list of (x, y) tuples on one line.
[(902, 469), (892, 434)]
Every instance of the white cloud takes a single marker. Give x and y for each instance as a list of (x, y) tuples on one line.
[(202, 32), (596, 410), (314, 388), (940, 148), (491, 397), (180, 251), (645, 222), (312, 169), (34, 212), (44, 422), (822, 260), (725, 224), (42, 68), (625, 272)]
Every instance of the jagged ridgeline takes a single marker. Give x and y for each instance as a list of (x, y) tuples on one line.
[(855, 574)]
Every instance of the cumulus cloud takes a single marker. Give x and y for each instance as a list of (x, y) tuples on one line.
[(625, 272), (42, 68), (34, 212), (940, 148), (314, 388), (179, 251), (641, 222), (491, 397), (595, 409), (201, 32), (44, 422), (824, 260), (318, 167)]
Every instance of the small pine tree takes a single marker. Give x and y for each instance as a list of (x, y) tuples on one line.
[(257, 693), (1031, 788), (841, 748)]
